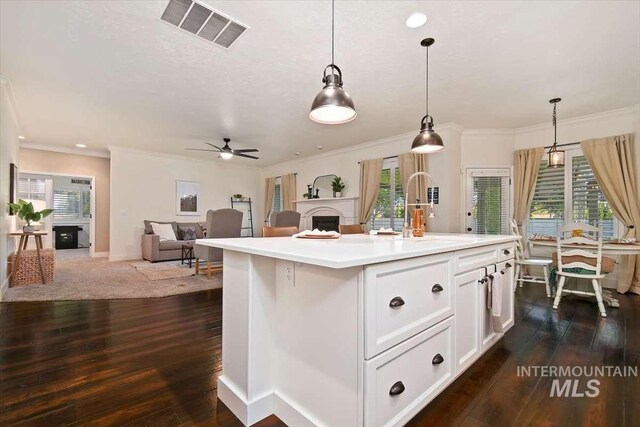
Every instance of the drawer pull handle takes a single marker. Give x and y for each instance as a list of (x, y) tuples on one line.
[(396, 389), (506, 252), (508, 265), (437, 359), (396, 302), (437, 288)]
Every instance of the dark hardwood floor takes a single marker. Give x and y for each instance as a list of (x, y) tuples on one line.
[(155, 363)]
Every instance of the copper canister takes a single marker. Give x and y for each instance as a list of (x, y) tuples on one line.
[(417, 222)]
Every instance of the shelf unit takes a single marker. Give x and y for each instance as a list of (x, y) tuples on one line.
[(247, 206)]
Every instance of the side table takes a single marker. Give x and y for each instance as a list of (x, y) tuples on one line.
[(187, 253), (24, 239)]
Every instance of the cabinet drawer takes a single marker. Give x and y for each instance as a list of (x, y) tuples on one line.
[(403, 298), (471, 259), (401, 381), (506, 251)]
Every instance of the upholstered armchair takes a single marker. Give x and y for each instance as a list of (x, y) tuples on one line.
[(221, 223), (285, 219)]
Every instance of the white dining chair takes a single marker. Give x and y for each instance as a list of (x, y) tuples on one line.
[(573, 257), (522, 261)]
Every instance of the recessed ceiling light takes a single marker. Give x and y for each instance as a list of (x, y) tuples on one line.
[(81, 146), (416, 20), (297, 153), (319, 147), (20, 137)]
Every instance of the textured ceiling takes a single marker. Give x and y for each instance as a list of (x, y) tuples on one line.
[(112, 73)]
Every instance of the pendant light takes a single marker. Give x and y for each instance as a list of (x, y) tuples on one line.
[(332, 105), (556, 157), (427, 141)]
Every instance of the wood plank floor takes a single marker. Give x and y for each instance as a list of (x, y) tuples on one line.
[(155, 363)]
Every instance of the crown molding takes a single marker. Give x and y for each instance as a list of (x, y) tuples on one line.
[(65, 150), (171, 156), (581, 119), (483, 132), (7, 87)]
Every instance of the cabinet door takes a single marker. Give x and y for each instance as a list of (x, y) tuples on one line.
[(468, 318), (507, 295)]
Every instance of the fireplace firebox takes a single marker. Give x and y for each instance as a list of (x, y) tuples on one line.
[(326, 223)]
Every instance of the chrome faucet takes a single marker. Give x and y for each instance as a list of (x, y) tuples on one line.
[(405, 228)]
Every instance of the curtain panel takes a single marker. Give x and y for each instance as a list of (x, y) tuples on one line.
[(269, 192), (526, 168), (288, 185), (370, 173), (612, 161)]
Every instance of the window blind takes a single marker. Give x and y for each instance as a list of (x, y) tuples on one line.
[(66, 204), (277, 199), (588, 203), (32, 189), (547, 207), (488, 202)]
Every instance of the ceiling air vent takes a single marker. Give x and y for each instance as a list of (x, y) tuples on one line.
[(206, 23)]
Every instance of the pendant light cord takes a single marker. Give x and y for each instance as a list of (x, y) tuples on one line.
[(426, 92), (555, 127), (333, 14)]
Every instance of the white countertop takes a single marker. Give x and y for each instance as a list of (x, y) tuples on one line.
[(355, 249)]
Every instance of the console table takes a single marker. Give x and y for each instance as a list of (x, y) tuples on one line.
[(24, 238)]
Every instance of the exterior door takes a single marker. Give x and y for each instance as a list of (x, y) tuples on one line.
[(488, 200)]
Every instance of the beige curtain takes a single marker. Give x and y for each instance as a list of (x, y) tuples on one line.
[(612, 161), (526, 167), (370, 172), (288, 186), (269, 192), (410, 163)]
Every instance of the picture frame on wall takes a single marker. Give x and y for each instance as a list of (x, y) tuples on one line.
[(13, 185), (187, 195)]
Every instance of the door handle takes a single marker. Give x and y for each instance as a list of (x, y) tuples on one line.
[(469, 229), (396, 302), (506, 252), (437, 359), (437, 288), (396, 389)]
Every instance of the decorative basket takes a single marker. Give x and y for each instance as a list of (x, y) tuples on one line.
[(28, 272)]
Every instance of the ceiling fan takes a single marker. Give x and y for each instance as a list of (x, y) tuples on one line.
[(226, 152)]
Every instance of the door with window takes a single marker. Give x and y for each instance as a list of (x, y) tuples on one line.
[(389, 209), (488, 200)]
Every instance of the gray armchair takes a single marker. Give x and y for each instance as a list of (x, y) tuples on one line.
[(285, 219), (221, 223)]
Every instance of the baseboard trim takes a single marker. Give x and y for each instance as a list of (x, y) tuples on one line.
[(290, 413), (100, 255), (248, 413)]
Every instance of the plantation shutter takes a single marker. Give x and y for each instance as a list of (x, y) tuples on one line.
[(547, 207), (66, 204), (277, 197), (488, 200), (589, 204)]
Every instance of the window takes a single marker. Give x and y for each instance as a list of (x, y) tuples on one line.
[(277, 197), (32, 189), (389, 209), (570, 192), (71, 203), (488, 201)]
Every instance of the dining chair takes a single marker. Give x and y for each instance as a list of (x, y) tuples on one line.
[(279, 231), (350, 229), (285, 219), (522, 261), (579, 263), (221, 223)]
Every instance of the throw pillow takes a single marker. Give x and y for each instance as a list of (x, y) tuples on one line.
[(165, 231), (188, 233)]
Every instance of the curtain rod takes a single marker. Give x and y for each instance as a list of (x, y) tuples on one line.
[(280, 176), (386, 158), (563, 145)]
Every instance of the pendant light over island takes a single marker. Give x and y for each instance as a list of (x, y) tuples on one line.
[(332, 105), (427, 141)]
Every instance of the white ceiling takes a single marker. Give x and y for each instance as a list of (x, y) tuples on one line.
[(112, 73)]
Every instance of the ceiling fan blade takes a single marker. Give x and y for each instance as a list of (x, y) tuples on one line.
[(246, 155), (248, 150), (214, 146), (200, 149)]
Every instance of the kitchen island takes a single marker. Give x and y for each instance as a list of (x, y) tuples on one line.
[(357, 331)]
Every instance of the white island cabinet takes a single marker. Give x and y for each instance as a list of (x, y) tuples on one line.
[(358, 331)]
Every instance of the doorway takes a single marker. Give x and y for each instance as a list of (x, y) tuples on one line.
[(488, 200)]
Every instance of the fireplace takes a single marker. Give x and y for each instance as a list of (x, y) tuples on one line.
[(326, 223)]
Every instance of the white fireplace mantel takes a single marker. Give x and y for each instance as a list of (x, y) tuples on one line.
[(344, 207)]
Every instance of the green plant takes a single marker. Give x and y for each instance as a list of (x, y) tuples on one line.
[(26, 212), (237, 196), (337, 185)]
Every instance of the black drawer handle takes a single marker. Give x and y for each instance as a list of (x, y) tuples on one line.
[(506, 252), (437, 288), (437, 359), (396, 389), (508, 265), (396, 302)]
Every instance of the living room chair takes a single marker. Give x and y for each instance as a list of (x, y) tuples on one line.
[(522, 261), (279, 231), (579, 263), (285, 219), (221, 223), (350, 229)]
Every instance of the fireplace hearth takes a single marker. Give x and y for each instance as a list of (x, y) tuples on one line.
[(326, 223)]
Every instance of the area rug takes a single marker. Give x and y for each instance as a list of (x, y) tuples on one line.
[(163, 270), (97, 278)]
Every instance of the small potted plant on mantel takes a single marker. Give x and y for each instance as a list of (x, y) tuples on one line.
[(26, 212), (238, 197), (337, 185)]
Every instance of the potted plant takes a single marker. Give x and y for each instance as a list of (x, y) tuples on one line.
[(337, 185), (25, 212), (237, 197)]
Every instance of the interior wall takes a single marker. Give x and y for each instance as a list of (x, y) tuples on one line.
[(8, 154), (143, 186), (75, 164)]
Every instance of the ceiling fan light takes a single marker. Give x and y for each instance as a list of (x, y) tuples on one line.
[(226, 155)]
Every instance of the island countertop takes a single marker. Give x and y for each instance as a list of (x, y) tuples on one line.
[(354, 249)]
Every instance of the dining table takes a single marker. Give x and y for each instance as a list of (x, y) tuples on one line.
[(608, 248)]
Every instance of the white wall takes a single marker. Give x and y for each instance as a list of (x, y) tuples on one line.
[(8, 154), (143, 186)]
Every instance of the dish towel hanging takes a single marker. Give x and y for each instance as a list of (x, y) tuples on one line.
[(494, 301)]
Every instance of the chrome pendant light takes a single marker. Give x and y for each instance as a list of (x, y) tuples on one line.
[(427, 141), (332, 105), (556, 157)]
